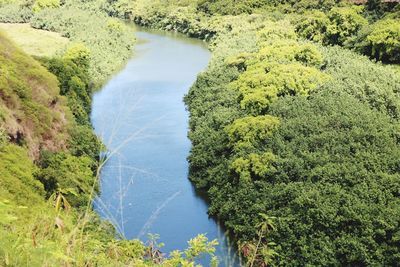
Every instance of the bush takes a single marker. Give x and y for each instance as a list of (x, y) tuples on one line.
[(79, 54), (262, 84), (305, 5), (313, 26), (84, 142), (377, 85), (380, 41), (345, 23), (73, 176), (109, 47), (72, 73), (339, 26), (42, 4), (15, 13), (226, 7)]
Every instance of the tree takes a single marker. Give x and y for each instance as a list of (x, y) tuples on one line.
[(345, 22), (384, 40), (248, 132), (262, 83), (42, 4), (79, 54), (61, 171), (313, 26), (261, 251)]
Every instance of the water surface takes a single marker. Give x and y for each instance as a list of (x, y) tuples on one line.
[(140, 116)]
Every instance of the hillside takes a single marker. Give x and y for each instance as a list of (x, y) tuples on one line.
[(32, 111), (33, 41)]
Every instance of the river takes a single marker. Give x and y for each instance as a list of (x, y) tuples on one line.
[(140, 116)]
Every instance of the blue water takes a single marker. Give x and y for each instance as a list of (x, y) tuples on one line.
[(141, 117)]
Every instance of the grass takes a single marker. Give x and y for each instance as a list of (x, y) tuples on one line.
[(33, 41), (32, 111)]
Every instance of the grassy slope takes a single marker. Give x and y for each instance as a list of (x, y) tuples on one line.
[(32, 231), (31, 108), (33, 41)]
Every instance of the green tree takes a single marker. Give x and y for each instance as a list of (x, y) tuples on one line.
[(313, 26), (345, 22), (248, 132), (42, 4), (60, 171), (79, 54), (381, 41), (261, 84)]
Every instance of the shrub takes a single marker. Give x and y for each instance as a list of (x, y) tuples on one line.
[(345, 22), (380, 41), (262, 84), (313, 26), (79, 54), (69, 174), (84, 142), (377, 85), (109, 48), (72, 73), (339, 26), (226, 7), (42, 4), (14, 13)]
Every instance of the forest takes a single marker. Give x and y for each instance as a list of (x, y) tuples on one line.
[(294, 126)]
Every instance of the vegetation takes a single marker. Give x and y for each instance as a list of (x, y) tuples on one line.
[(32, 111), (299, 132), (15, 12), (371, 30), (44, 112), (109, 41), (306, 135), (380, 40), (35, 231), (295, 136), (35, 42), (45, 208)]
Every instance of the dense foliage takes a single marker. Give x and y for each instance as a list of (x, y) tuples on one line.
[(295, 139), (371, 29), (307, 135), (381, 40), (109, 41), (47, 113)]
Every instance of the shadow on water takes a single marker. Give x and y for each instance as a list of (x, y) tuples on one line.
[(140, 116)]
